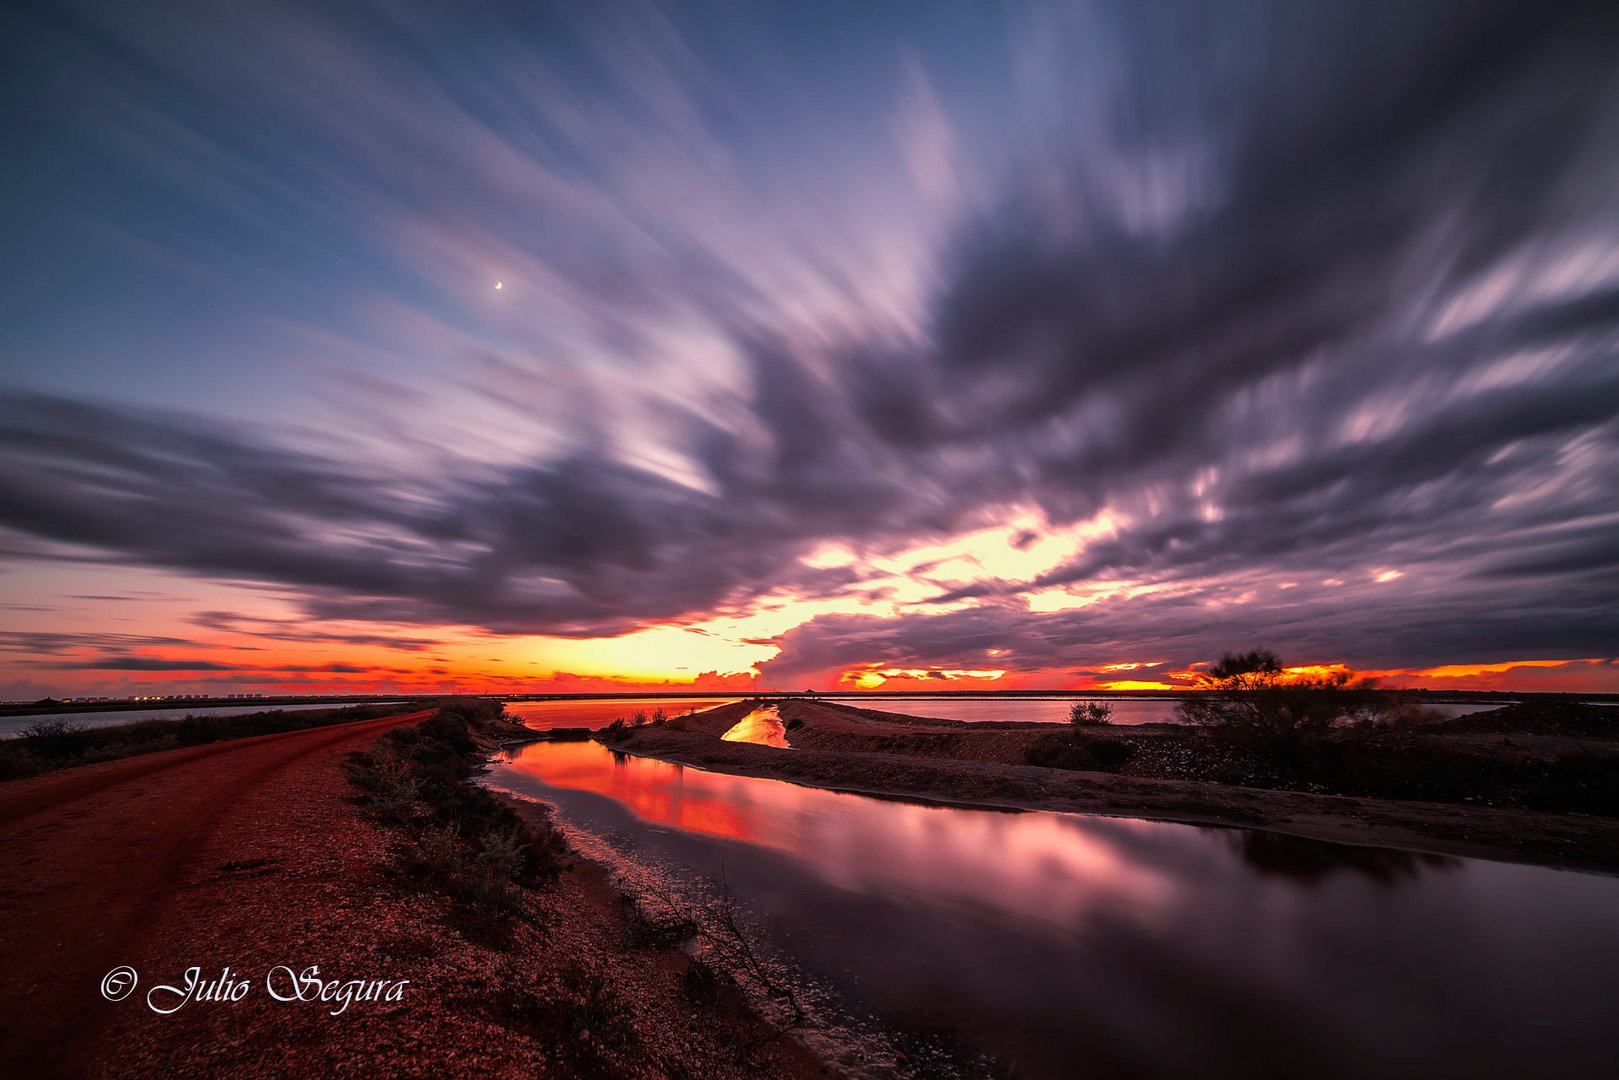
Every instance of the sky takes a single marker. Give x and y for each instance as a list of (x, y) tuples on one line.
[(947, 345)]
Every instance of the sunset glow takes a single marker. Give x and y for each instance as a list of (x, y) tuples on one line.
[(927, 538), (592, 352)]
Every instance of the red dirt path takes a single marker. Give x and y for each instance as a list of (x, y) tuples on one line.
[(96, 857)]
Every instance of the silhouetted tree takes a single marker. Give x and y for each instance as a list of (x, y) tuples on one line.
[(1090, 714), (1252, 694)]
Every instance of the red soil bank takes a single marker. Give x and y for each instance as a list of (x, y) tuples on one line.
[(103, 862)]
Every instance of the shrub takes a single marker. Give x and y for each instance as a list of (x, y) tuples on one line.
[(476, 711), (53, 738), (439, 855), (704, 981), (499, 862), (195, 730), (1085, 753), (1090, 714), (595, 1016), (451, 729), (1252, 695), (463, 839), (16, 761)]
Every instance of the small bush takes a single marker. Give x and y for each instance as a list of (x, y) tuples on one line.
[(704, 982), (16, 761), (476, 711), (451, 729), (439, 855), (463, 840), (1085, 753), (1090, 714), (195, 730), (1252, 697), (53, 738), (596, 1018), (663, 928)]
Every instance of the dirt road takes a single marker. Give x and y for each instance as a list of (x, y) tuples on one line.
[(102, 862)]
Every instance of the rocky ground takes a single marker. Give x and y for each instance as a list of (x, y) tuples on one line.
[(254, 855)]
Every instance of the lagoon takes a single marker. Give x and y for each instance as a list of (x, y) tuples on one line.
[(1061, 944)]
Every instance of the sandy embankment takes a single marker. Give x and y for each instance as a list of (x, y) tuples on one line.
[(847, 749)]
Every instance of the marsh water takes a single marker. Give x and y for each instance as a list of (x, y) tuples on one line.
[(1059, 945)]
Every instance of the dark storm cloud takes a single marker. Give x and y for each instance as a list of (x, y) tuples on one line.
[(300, 631), (150, 663), (48, 642), (1299, 366), (1294, 292), (137, 663), (580, 547), (1367, 627)]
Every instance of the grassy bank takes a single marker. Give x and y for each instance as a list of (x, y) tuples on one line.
[(545, 953), (455, 837)]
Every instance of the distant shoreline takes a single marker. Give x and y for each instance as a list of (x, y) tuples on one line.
[(47, 707)]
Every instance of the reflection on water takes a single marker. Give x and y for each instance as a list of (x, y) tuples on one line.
[(1072, 945), (1312, 860), (762, 726)]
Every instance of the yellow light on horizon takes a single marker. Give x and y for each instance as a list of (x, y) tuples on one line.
[(1462, 671), (1136, 684)]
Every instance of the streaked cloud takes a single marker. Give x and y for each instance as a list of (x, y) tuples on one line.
[(942, 340)]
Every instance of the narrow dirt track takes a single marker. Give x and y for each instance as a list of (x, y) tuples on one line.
[(95, 857)]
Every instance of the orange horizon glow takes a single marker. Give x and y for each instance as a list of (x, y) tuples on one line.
[(1136, 684), (268, 647), (1590, 675), (308, 671)]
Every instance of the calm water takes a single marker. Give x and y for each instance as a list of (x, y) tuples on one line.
[(11, 726), (1065, 945), (1055, 710), (597, 713)]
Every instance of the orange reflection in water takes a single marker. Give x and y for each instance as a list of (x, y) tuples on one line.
[(1048, 867), (658, 794)]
